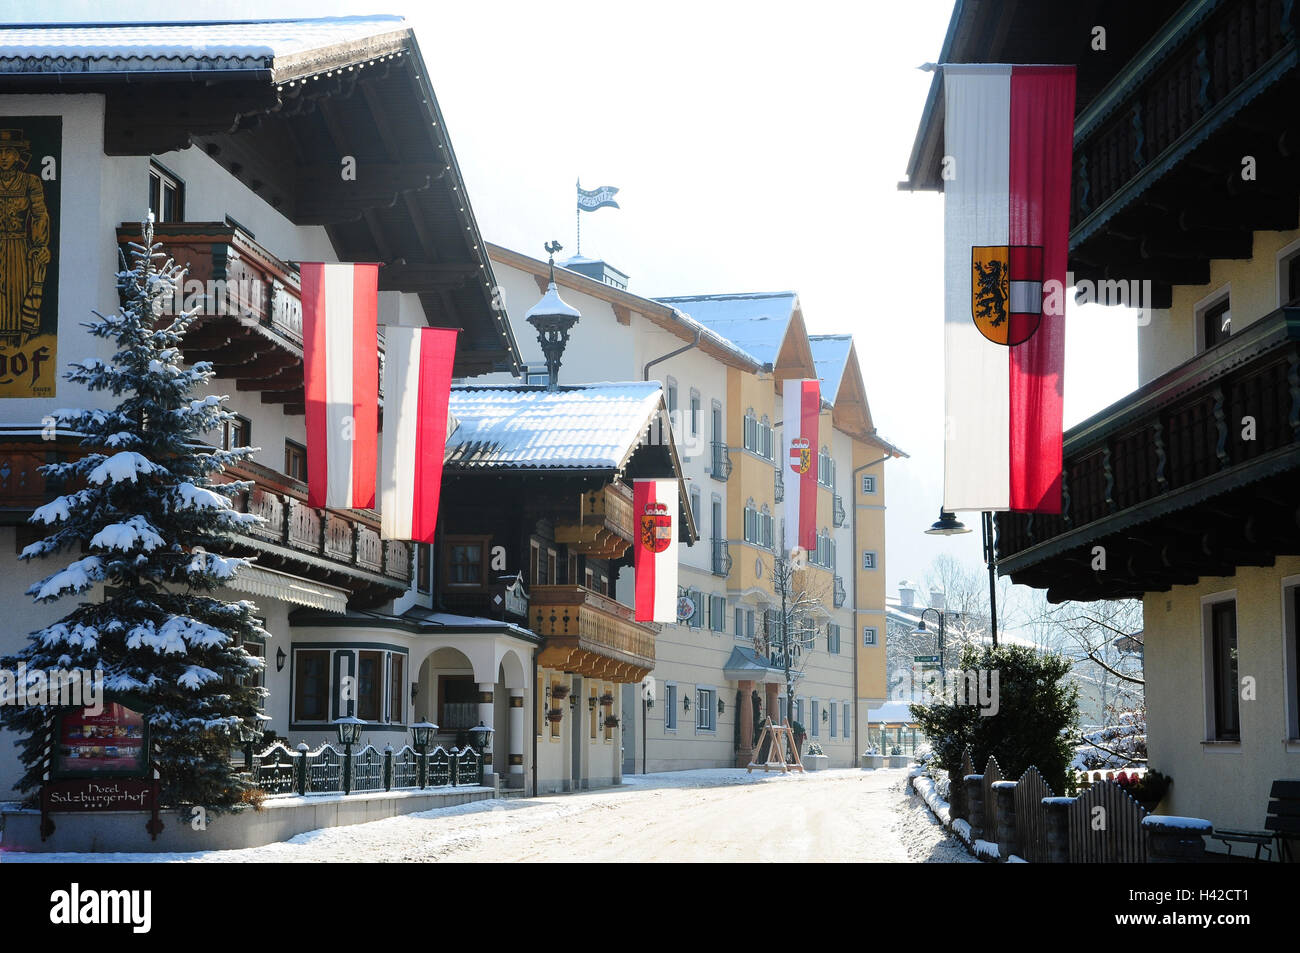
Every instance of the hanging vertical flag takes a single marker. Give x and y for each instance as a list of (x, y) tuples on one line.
[(802, 406), (417, 390), (655, 508), (1009, 139), (340, 356)]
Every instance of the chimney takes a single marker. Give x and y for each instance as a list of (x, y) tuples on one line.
[(554, 318), (906, 594), (598, 270), (936, 598)]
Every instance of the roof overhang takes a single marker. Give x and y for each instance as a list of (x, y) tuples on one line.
[(278, 123)]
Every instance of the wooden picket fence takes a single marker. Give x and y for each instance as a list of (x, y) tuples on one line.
[(1031, 822), (1102, 825)]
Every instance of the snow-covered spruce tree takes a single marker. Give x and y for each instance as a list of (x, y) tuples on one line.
[(143, 517)]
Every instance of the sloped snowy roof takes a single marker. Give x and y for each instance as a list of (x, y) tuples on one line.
[(592, 426), (182, 47), (894, 712), (830, 354), (755, 322)]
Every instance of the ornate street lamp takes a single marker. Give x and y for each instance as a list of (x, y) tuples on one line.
[(481, 737), (554, 318), (249, 732), (349, 731), (921, 630), (422, 732)]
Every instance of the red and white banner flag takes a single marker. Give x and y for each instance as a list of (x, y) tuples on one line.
[(340, 356), (1008, 143), (417, 389), (655, 509), (802, 407)]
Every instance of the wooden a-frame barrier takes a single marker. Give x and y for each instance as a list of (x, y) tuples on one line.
[(777, 737)]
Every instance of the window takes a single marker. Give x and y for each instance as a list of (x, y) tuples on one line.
[(423, 567), (166, 195), (697, 617), (396, 689), (1291, 293), (845, 721), (751, 431), (834, 709), (868, 559), (538, 374), (824, 465), (540, 714), (572, 577), (749, 625), (465, 560), (370, 674), (1216, 323), (672, 407), (295, 461), (695, 505), (311, 685), (695, 412), (706, 705), (824, 555), (235, 433), (868, 484), (1226, 717), (740, 624), (717, 613), (816, 727), (256, 648), (765, 525), (765, 437), (868, 635), (751, 522), (833, 638), (551, 577), (798, 711), (783, 707), (670, 706)]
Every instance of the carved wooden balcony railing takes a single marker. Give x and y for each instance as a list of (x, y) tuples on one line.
[(1216, 82), (1193, 474), (840, 596), (339, 547), (591, 634), (251, 304), (604, 526)]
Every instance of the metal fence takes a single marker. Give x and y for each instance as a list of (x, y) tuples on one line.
[(281, 772)]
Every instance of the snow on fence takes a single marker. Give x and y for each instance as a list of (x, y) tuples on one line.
[(281, 772), (1022, 820)]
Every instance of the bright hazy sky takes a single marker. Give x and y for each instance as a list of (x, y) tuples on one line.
[(757, 147)]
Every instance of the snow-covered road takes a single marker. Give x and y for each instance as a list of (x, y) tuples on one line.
[(711, 815)]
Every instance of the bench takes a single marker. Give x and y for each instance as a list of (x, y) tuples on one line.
[(1282, 823)]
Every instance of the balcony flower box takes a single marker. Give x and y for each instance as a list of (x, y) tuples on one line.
[(555, 715), (559, 692), (611, 722), (607, 699)]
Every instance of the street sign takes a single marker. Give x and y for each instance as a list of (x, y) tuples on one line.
[(925, 658)]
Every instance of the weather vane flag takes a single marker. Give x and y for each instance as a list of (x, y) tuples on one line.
[(1008, 142), (588, 201)]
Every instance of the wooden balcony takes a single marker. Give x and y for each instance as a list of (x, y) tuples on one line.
[(338, 547), (251, 303), (590, 634), (1192, 475), (1216, 83), (605, 525)]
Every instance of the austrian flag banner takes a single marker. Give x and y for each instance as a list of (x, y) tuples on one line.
[(1008, 138), (655, 509), (340, 356), (802, 409), (417, 391)]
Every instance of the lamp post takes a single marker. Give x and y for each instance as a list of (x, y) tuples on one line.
[(949, 525), (422, 732), (647, 702), (554, 318), (349, 732), (248, 734), (922, 631)]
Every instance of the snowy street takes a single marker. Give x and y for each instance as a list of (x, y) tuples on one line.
[(708, 815)]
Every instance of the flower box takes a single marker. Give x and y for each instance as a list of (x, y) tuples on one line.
[(607, 699), (872, 761), (555, 714), (559, 692), (815, 762), (611, 722)]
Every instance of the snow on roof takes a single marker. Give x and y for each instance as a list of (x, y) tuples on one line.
[(589, 426), (756, 322), (551, 303), (893, 712), (830, 354), (171, 47)]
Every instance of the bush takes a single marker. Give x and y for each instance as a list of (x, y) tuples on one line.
[(1036, 713)]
